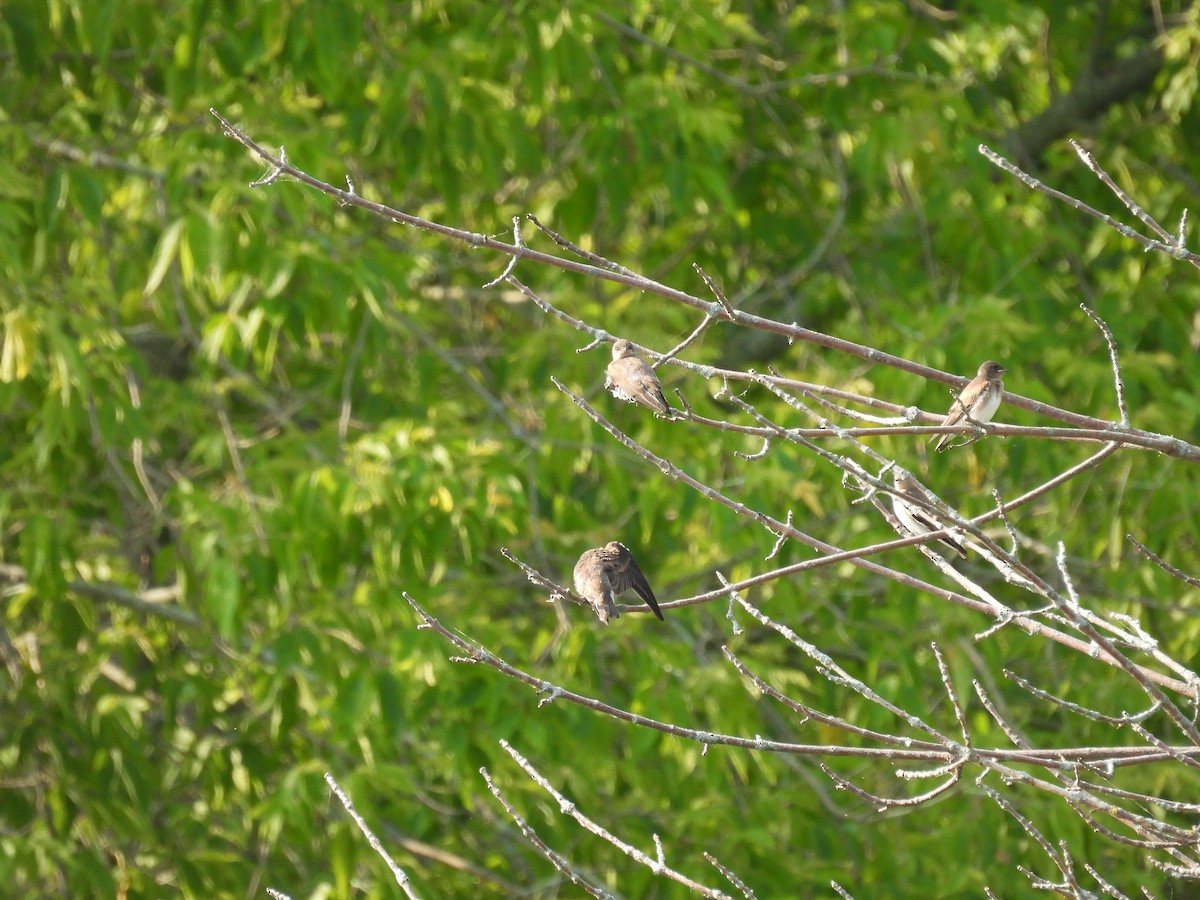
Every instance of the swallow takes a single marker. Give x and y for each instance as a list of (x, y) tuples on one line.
[(977, 402), (607, 572), (629, 377), (918, 519)]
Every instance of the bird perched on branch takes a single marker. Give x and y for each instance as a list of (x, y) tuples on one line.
[(977, 402), (629, 377), (606, 572), (916, 519)]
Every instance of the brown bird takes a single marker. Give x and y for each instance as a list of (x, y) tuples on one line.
[(978, 401), (629, 377), (606, 572), (917, 519)]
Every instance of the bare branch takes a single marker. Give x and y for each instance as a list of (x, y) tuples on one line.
[(1161, 563), (1164, 444), (557, 860), (733, 879), (883, 804), (716, 292), (1169, 247), (1116, 362), (944, 671), (1118, 721), (512, 261), (1071, 607), (399, 874), (593, 258), (567, 807), (1090, 161)]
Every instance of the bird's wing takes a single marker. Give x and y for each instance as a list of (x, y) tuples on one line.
[(921, 517), (624, 573), (961, 406), (632, 378), (926, 521), (652, 390), (964, 402)]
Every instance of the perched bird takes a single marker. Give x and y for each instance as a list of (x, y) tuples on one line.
[(917, 519), (978, 401), (606, 572), (629, 377)]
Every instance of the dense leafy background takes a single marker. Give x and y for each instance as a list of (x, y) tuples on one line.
[(266, 402)]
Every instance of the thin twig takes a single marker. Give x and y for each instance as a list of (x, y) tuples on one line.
[(593, 258), (1169, 247), (1161, 563), (1071, 608), (399, 874), (716, 291), (686, 342), (944, 672), (556, 859), (1116, 362), (1094, 167), (512, 260), (733, 878), (567, 807)]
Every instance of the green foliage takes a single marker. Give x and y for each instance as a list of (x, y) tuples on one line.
[(289, 414)]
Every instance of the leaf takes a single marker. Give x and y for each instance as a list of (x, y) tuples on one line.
[(97, 19), (222, 595), (15, 357), (164, 255)]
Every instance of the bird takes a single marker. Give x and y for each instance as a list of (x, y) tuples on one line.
[(977, 402), (629, 377), (604, 573), (918, 519)]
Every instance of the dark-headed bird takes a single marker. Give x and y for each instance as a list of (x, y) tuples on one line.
[(629, 377), (916, 519), (978, 401), (604, 573)]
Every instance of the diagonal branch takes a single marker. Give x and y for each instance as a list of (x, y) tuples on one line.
[(1164, 444)]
